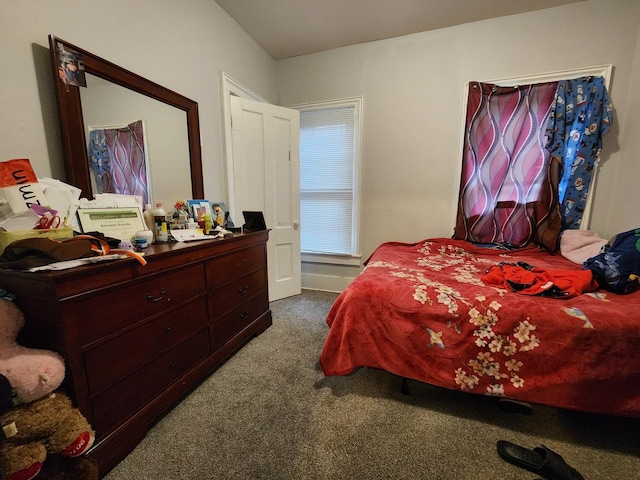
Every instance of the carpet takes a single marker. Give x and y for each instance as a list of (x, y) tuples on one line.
[(269, 413)]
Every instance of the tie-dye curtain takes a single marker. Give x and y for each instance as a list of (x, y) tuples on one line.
[(506, 193), (118, 161), (99, 162), (581, 114)]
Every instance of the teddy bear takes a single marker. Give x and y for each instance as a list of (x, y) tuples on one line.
[(59, 467), (37, 419)]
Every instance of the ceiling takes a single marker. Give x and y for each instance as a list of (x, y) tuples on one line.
[(287, 28)]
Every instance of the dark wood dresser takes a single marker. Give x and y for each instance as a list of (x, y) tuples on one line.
[(137, 339)]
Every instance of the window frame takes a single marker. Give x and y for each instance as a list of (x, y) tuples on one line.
[(355, 257)]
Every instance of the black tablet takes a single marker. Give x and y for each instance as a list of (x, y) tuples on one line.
[(253, 221)]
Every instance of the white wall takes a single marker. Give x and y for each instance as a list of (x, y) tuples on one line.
[(621, 202), (182, 45), (413, 108)]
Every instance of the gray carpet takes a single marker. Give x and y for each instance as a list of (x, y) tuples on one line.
[(269, 413)]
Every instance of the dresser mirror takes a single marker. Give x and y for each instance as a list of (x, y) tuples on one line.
[(166, 126)]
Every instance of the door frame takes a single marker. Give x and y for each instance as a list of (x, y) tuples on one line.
[(229, 86)]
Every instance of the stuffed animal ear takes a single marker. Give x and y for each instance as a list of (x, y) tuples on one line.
[(6, 394)]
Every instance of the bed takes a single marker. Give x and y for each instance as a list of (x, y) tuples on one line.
[(422, 311)]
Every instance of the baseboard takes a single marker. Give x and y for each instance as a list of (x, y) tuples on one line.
[(327, 283)]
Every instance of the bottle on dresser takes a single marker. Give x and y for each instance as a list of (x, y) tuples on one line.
[(160, 223), (149, 220)]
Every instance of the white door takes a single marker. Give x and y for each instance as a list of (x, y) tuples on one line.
[(266, 177)]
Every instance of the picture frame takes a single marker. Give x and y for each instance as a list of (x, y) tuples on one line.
[(220, 215), (70, 66), (200, 208), (121, 223)]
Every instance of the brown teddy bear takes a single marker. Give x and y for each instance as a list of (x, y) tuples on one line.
[(59, 467), (37, 419)]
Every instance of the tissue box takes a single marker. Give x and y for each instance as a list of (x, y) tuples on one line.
[(61, 233)]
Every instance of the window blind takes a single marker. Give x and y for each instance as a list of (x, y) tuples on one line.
[(327, 149)]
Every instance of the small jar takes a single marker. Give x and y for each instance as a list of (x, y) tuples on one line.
[(144, 234), (141, 243)]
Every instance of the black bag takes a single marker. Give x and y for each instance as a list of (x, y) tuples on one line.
[(617, 267)]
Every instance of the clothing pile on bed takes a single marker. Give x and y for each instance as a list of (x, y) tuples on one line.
[(613, 265), (617, 267)]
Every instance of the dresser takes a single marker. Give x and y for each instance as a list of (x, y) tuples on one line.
[(136, 339)]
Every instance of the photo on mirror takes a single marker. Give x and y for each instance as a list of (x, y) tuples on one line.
[(71, 67)]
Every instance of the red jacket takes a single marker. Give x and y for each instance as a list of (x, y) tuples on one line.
[(528, 280)]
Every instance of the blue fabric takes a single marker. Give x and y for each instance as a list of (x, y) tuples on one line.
[(99, 160), (582, 113), (617, 268)]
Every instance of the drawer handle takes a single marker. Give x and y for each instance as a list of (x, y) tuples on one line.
[(151, 298), (243, 290), (167, 329), (244, 315)]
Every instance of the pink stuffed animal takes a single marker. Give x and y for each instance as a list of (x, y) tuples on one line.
[(37, 372)]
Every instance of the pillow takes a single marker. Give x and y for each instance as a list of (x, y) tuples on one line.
[(617, 268), (580, 245)]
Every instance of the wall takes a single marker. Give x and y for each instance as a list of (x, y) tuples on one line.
[(413, 108), (620, 209), (181, 45)]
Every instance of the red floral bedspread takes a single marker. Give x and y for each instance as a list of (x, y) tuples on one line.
[(421, 311)]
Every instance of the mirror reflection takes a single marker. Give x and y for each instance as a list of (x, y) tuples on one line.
[(126, 134), (136, 145)]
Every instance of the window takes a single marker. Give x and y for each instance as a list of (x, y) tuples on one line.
[(330, 179)]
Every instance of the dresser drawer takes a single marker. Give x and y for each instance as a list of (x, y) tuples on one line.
[(126, 397), (221, 301), (111, 311), (235, 265), (118, 357), (226, 327)]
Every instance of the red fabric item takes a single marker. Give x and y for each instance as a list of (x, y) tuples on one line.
[(538, 281)]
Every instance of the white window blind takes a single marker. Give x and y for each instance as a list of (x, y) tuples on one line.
[(328, 149)]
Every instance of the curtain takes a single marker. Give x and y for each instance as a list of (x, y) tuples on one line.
[(99, 162), (118, 160), (506, 191), (581, 114)]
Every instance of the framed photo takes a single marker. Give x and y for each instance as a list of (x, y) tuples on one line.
[(200, 208), (122, 223), (70, 66), (220, 215)]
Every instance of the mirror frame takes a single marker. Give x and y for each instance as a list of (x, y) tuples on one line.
[(72, 130)]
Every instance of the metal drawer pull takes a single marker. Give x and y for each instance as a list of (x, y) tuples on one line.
[(244, 315), (151, 298), (167, 329), (243, 290)]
